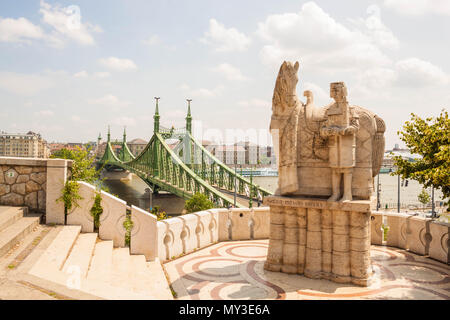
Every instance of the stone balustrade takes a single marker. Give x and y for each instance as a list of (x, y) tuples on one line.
[(187, 233), (37, 183), (170, 237), (420, 235)]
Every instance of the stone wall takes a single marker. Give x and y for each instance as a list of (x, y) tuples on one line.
[(423, 236), (23, 183)]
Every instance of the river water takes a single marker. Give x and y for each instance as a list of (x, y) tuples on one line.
[(133, 192)]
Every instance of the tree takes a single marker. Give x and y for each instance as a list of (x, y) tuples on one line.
[(424, 197), (83, 168), (429, 138), (198, 202)]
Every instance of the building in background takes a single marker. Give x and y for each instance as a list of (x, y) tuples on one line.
[(136, 146), (29, 145)]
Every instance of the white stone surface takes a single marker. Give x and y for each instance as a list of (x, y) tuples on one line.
[(261, 220), (144, 235), (81, 215), (112, 219), (56, 179)]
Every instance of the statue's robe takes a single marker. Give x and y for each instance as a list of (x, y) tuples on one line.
[(313, 165)]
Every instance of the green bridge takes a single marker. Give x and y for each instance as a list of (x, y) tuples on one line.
[(186, 169)]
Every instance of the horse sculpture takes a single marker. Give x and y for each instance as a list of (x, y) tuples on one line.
[(307, 143)]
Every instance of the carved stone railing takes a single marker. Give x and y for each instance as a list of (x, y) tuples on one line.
[(171, 237), (423, 236), (187, 233)]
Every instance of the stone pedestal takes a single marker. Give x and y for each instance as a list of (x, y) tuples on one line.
[(320, 239)]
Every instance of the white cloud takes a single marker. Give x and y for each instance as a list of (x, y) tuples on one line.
[(66, 24), (414, 72), (152, 40), (410, 73), (108, 100), (102, 75), (118, 64), (321, 96), (201, 92), (375, 29), (258, 103), (230, 72), (44, 113), (289, 36), (19, 30), (419, 7), (24, 84), (223, 39), (81, 74)]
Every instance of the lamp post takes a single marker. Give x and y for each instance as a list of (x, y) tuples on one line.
[(250, 203), (398, 194), (378, 191), (433, 214), (235, 181)]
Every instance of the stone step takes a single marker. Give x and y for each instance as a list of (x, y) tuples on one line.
[(52, 260), (158, 282), (81, 254), (101, 263), (17, 231), (148, 279), (9, 215), (121, 268)]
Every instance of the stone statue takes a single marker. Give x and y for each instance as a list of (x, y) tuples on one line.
[(327, 159), (340, 127), (325, 144), (283, 126)]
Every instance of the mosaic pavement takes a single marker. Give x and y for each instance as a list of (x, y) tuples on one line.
[(234, 270)]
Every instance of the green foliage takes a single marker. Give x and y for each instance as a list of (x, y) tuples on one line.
[(97, 210), (198, 202), (160, 215), (429, 138), (423, 197), (70, 195), (83, 168), (128, 225)]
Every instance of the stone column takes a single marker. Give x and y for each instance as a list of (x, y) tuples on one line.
[(327, 243), (360, 266), (276, 240), (290, 248), (56, 179), (341, 247), (301, 256), (313, 268)]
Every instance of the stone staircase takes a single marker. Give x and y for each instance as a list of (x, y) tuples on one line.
[(15, 224), (73, 264), (82, 262)]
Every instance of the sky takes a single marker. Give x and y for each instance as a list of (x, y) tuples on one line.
[(68, 69)]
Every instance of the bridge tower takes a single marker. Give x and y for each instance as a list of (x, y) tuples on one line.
[(156, 117), (109, 133), (189, 117), (124, 142)]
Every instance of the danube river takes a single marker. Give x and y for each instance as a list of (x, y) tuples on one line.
[(133, 191)]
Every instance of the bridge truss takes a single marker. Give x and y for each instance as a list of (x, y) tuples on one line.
[(184, 170)]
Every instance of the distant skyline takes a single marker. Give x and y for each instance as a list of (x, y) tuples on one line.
[(68, 69)]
